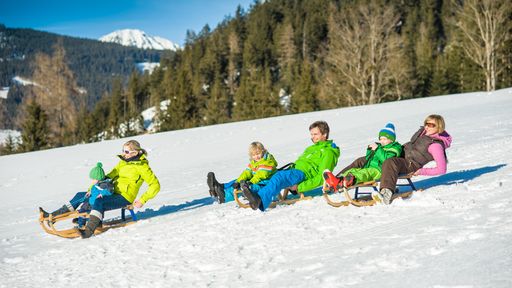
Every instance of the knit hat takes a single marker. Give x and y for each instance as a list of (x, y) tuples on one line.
[(97, 172), (388, 131)]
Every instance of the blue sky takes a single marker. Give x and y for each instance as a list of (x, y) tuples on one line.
[(93, 18)]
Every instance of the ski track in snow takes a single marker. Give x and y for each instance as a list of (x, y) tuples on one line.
[(456, 233)]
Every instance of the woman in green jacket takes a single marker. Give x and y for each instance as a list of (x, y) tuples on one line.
[(127, 177)]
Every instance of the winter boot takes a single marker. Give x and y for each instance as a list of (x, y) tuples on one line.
[(88, 231), (383, 196), (60, 211), (43, 213), (221, 195), (331, 182), (254, 198), (349, 180), (210, 180), (216, 188)]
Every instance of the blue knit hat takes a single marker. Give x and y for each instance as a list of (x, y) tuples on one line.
[(388, 131), (97, 172)]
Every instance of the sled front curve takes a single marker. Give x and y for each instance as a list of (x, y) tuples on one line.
[(48, 224), (326, 192)]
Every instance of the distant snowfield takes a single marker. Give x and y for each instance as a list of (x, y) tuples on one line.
[(457, 233)]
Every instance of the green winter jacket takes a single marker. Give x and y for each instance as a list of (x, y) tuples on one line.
[(315, 159), (375, 158), (259, 170), (128, 176)]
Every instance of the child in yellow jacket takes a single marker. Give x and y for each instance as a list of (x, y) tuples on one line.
[(261, 166)]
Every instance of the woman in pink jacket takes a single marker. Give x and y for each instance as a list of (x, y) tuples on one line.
[(427, 144)]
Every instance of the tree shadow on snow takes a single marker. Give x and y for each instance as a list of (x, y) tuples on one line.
[(455, 177), (168, 209)]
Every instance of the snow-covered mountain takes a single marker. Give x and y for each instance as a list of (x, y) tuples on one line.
[(456, 233), (138, 38)]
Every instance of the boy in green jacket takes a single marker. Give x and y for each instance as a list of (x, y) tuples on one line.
[(305, 174), (376, 154)]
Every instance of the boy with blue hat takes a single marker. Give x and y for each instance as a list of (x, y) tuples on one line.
[(101, 186), (376, 154)]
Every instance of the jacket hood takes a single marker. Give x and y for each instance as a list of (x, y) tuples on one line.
[(140, 157), (329, 144), (445, 137)]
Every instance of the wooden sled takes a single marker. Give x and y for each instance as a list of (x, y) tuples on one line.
[(49, 224), (282, 199), (361, 199)]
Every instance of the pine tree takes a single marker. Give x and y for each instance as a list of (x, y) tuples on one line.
[(304, 97), (181, 110), (35, 130), (117, 109), (218, 103)]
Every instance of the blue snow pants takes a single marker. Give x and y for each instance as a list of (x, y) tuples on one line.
[(282, 179), (106, 203), (228, 189)]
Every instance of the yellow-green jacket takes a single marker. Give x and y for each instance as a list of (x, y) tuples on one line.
[(259, 170), (128, 176)]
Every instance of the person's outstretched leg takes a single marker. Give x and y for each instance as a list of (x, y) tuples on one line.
[(102, 204), (78, 199), (280, 180)]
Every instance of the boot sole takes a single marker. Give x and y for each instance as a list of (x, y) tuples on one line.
[(209, 181), (253, 202)]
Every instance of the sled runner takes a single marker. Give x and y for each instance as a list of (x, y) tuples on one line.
[(49, 224), (283, 198), (364, 198)]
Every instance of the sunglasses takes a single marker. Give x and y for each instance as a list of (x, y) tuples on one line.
[(128, 151), (430, 125)]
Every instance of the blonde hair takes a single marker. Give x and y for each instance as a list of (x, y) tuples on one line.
[(438, 119), (135, 146), (256, 147)]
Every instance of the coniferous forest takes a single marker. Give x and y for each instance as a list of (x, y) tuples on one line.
[(318, 54)]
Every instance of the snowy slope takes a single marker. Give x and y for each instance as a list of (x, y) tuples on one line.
[(457, 233), (138, 38)]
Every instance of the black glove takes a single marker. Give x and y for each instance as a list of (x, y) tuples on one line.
[(236, 186)]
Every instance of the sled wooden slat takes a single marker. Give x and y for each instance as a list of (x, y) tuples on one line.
[(283, 199), (366, 200)]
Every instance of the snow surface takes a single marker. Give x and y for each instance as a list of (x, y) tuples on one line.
[(4, 134), (149, 116), (4, 91), (147, 66), (138, 38), (23, 82), (457, 233)]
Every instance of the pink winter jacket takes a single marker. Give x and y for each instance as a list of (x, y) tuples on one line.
[(437, 152)]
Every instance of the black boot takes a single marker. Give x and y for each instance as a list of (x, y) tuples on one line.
[(210, 180), (219, 189), (43, 213), (60, 211), (88, 231), (254, 198), (216, 188)]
